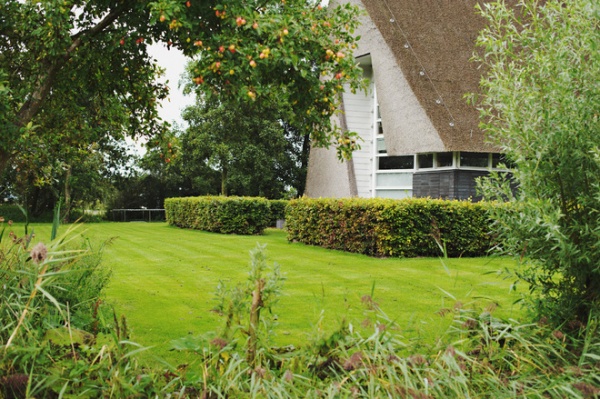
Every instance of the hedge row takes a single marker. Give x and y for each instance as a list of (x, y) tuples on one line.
[(228, 215), (13, 213), (385, 227)]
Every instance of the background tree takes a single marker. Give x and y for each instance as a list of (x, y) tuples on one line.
[(541, 105), (255, 153)]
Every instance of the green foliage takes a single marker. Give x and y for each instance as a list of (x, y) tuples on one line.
[(50, 323), (381, 227), (541, 105), (296, 52), (228, 215), (254, 153), (66, 124), (77, 79)]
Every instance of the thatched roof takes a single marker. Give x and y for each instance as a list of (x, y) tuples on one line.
[(433, 41)]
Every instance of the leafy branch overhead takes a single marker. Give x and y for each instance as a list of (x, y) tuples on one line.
[(88, 62)]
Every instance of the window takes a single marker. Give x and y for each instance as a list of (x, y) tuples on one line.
[(381, 149), (425, 161), (474, 159), (396, 162), (500, 159), (444, 159), (392, 174)]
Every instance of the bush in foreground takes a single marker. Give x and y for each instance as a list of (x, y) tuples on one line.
[(540, 104)]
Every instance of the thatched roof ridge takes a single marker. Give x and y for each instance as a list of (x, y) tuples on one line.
[(433, 42)]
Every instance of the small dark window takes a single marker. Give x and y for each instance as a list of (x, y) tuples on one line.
[(444, 159), (425, 161), (396, 162), (474, 159), (379, 127), (500, 159)]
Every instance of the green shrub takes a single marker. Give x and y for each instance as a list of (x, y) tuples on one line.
[(385, 227), (50, 317), (228, 215), (540, 103)]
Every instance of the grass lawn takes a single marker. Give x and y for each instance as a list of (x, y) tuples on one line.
[(164, 279)]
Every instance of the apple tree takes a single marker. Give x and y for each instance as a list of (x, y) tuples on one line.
[(75, 73)]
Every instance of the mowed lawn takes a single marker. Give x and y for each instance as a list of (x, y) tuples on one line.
[(164, 280)]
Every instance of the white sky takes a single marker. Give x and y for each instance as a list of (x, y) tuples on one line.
[(174, 62), (170, 109)]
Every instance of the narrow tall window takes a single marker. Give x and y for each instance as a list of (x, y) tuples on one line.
[(393, 173)]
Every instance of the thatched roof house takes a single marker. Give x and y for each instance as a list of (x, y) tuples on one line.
[(420, 136)]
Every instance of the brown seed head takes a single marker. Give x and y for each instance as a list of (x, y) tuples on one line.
[(39, 253)]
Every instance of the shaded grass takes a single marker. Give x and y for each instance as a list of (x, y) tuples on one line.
[(164, 279)]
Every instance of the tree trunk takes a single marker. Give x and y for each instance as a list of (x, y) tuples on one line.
[(66, 215), (301, 184), (224, 181), (349, 162)]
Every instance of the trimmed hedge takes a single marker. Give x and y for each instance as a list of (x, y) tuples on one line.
[(386, 227), (228, 215)]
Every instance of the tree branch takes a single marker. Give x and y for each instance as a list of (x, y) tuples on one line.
[(46, 79)]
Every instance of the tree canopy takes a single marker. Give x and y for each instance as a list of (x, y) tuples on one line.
[(250, 144)]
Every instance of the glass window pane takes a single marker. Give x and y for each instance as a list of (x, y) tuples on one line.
[(498, 159), (444, 159), (379, 127), (396, 180), (396, 162), (425, 161), (474, 159), (381, 149)]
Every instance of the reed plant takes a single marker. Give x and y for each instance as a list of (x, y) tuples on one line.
[(56, 339)]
